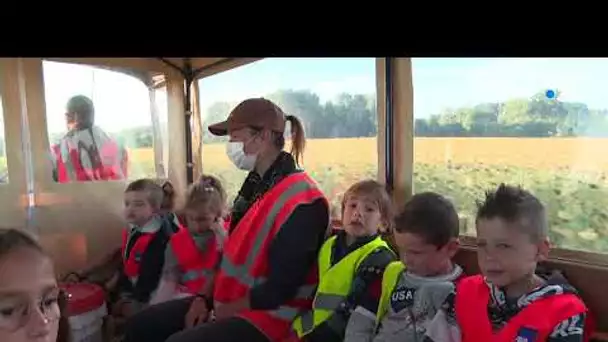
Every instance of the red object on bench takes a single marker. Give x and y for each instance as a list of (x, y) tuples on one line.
[(83, 297)]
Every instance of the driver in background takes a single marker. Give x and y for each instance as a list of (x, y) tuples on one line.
[(86, 152)]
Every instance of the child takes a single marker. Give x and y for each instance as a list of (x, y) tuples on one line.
[(350, 264), (205, 202), (157, 250), (29, 301), (106, 272), (212, 200), (509, 302), (426, 234), (204, 206)]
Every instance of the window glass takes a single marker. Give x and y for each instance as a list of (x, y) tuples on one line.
[(120, 134), (539, 123), (334, 97), (3, 160)]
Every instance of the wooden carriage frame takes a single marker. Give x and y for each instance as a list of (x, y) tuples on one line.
[(31, 185)]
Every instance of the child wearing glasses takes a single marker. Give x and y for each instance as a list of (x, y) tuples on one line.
[(29, 294)]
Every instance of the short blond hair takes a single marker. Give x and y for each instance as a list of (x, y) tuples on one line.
[(376, 192)]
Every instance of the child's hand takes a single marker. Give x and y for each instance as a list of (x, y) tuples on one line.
[(219, 231), (198, 313), (218, 225), (111, 284)]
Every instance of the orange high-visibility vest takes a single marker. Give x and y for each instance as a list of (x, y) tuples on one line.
[(534, 323), (75, 171), (245, 260), (196, 266)]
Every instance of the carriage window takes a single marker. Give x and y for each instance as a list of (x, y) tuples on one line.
[(162, 122), (539, 123), (119, 136), (3, 159), (334, 97)]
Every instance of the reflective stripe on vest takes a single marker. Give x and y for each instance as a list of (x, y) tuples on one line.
[(111, 168), (244, 263), (335, 283), (64, 172), (534, 323), (196, 265), (389, 281)]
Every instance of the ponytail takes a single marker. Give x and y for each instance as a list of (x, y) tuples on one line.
[(207, 192), (209, 181), (298, 139), (168, 201)]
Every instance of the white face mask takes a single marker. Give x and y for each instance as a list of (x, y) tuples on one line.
[(236, 153)]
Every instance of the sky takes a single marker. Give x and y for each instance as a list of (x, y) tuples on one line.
[(122, 101)]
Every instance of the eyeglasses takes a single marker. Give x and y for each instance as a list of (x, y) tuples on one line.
[(16, 313)]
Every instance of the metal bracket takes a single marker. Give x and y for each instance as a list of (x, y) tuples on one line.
[(190, 76)]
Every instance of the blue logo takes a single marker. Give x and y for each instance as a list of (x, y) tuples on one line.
[(526, 335), (550, 94)]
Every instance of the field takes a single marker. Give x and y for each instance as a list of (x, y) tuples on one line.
[(569, 175)]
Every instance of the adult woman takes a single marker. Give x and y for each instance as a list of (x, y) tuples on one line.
[(277, 225)]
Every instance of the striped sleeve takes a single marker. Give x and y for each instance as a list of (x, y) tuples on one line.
[(569, 330)]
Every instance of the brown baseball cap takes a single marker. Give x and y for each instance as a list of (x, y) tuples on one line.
[(254, 112)]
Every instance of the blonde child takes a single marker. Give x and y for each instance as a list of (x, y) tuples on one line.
[(29, 300), (350, 264), (158, 252), (203, 211)]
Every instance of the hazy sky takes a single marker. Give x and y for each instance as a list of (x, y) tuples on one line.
[(122, 101)]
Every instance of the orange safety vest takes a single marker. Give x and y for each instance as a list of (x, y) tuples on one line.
[(245, 260), (196, 266), (75, 171), (534, 323)]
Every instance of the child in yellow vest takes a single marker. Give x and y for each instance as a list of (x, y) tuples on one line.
[(350, 264), (426, 233)]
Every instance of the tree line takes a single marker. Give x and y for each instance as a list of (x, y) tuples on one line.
[(354, 115), (536, 116)]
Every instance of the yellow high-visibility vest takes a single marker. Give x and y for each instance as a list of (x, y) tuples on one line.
[(334, 283), (389, 281)]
